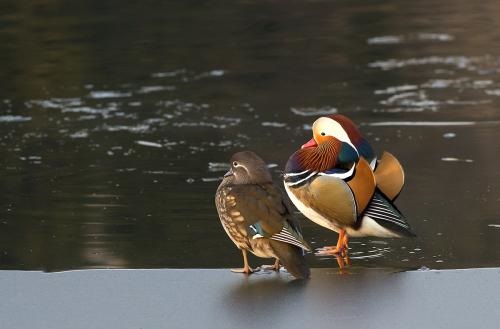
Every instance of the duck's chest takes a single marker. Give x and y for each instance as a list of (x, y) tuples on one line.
[(231, 219)]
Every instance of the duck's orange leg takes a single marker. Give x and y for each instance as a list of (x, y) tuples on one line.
[(274, 267), (340, 249), (246, 268)]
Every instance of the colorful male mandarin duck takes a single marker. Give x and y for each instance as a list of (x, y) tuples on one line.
[(254, 215), (336, 181)]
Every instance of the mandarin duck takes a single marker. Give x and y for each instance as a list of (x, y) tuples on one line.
[(256, 218), (336, 181)]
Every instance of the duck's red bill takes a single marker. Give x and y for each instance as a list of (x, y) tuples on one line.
[(311, 143)]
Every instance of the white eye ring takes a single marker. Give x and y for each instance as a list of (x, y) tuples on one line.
[(235, 164)]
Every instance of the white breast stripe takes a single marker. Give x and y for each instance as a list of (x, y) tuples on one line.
[(345, 175), (302, 180), (292, 174)]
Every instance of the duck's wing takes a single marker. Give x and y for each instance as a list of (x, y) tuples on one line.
[(260, 206), (291, 235), (330, 197)]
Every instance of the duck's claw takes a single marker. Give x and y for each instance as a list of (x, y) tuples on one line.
[(331, 251), (245, 270), (274, 267)]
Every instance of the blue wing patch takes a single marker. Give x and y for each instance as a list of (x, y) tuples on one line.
[(257, 229)]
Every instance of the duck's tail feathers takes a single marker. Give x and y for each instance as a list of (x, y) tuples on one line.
[(385, 213), (292, 259)]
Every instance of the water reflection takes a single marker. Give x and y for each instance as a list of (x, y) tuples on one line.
[(116, 130)]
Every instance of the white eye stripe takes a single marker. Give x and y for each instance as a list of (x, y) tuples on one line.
[(330, 127), (239, 165)]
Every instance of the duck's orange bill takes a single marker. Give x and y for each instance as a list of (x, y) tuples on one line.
[(311, 143)]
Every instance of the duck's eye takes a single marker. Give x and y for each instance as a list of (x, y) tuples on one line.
[(235, 164), (322, 133)]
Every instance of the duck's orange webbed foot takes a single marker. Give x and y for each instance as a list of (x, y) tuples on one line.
[(274, 267), (341, 249), (246, 268)]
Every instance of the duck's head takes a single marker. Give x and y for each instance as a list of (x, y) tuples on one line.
[(247, 168), (330, 147), (326, 129)]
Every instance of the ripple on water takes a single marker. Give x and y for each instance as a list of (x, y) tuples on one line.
[(313, 111), (58, 103), (178, 108), (88, 110), (152, 89), (75, 105), (14, 118), (385, 40), (199, 124), (210, 179), (33, 159), (273, 124), (187, 75), (493, 92), (395, 89), (160, 172), (444, 83), (220, 122), (419, 37), (101, 94), (139, 128), (168, 74), (80, 134), (148, 144), (218, 166), (436, 36), (452, 159), (422, 123), (412, 99), (449, 135), (212, 73), (461, 62)]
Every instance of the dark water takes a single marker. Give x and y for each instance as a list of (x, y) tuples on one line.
[(117, 120)]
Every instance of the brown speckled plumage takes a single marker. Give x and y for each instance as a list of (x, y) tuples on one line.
[(254, 215)]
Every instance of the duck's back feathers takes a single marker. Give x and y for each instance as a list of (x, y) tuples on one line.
[(389, 175), (292, 259)]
